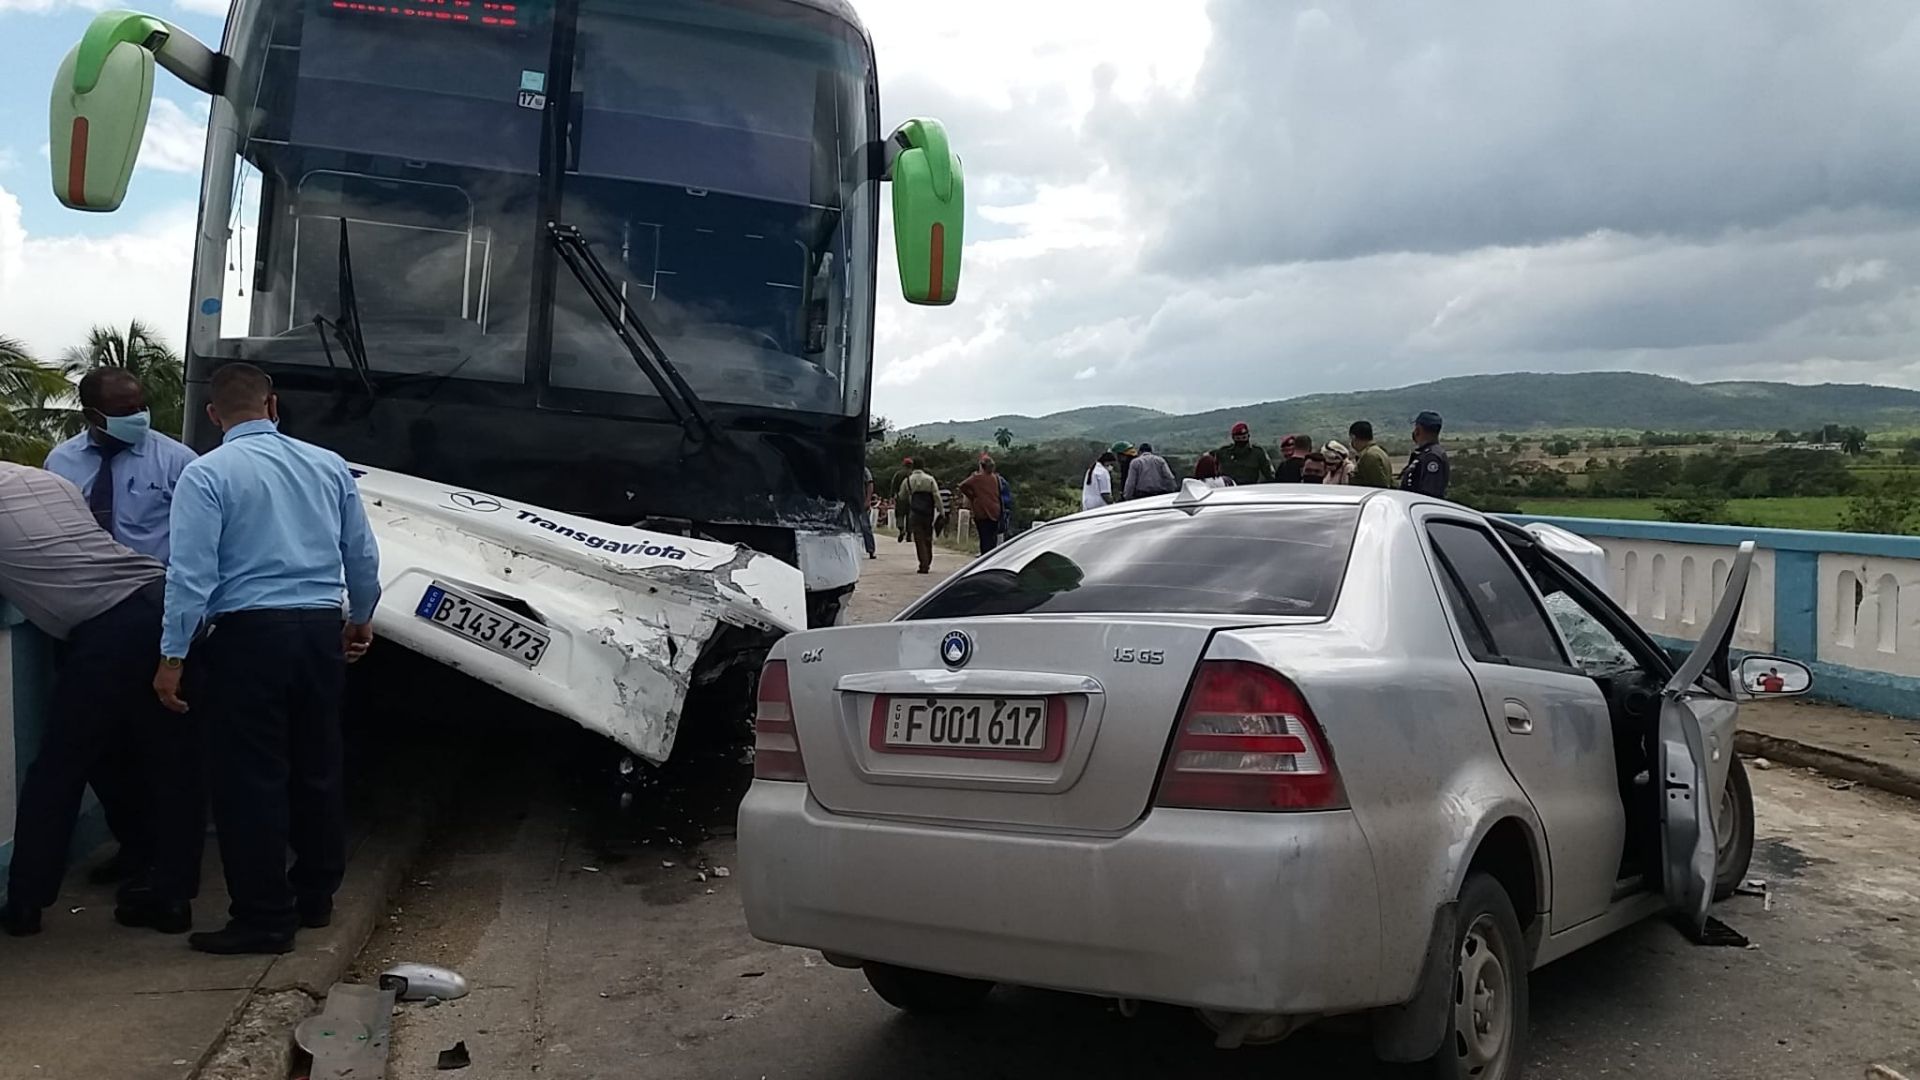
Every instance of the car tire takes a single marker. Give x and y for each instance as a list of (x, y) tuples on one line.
[(1487, 1033), (1733, 848), (914, 991)]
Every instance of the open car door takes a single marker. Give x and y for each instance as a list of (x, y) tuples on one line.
[(1697, 714)]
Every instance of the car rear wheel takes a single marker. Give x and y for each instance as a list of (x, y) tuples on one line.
[(1733, 833), (925, 991), (1487, 1039)]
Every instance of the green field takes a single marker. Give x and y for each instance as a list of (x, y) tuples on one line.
[(1808, 512)]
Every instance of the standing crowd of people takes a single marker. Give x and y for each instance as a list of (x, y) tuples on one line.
[(921, 505), (205, 609), (1123, 471)]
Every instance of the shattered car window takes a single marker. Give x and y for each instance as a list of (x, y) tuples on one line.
[(1593, 646)]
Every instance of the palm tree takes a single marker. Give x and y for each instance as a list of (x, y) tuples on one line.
[(33, 412), (140, 351), (1004, 437)]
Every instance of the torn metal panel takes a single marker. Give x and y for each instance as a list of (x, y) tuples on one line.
[(600, 623)]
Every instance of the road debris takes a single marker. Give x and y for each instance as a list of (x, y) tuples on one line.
[(1882, 1072), (591, 869), (721, 871), (454, 1057), (418, 982), (348, 1038), (1842, 785), (1762, 764)]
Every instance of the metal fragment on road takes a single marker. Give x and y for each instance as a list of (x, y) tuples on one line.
[(1842, 785), (417, 982), (454, 1057)]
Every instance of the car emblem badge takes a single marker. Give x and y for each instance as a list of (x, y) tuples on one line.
[(956, 648)]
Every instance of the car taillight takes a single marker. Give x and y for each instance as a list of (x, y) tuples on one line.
[(1248, 741), (776, 746)]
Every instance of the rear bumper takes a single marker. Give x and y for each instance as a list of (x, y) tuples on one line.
[(1270, 913)]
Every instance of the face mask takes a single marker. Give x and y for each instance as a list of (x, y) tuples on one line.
[(130, 429)]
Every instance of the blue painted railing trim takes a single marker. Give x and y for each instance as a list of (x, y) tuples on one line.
[(1892, 547)]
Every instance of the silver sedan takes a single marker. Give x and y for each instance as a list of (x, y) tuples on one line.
[(1275, 753)]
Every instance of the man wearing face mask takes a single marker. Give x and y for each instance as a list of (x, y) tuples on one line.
[(270, 595), (139, 466), (127, 473)]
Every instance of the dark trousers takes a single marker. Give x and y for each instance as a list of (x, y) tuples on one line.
[(103, 716), (922, 530), (989, 531), (268, 685)]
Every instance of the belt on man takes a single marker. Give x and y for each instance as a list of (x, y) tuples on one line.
[(267, 616)]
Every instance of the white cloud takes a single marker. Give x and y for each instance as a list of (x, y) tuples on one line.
[(52, 288), (1085, 373), (1849, 274), (9, 160), (39, 7), (176, 137), (202, 7)]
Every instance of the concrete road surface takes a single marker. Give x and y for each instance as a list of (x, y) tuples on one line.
[(596, 950)]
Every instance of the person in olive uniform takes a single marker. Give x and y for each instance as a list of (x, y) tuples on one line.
[(1426, 471), (1242, 461)]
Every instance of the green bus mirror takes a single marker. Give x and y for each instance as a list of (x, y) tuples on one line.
[(94, 133), (929, 212)]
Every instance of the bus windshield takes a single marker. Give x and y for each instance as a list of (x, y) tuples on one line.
[(712, 152)]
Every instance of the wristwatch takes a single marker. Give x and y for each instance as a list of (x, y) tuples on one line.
[(172, 661)]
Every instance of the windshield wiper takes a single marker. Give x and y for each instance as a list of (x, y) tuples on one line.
[(625, 323), (346, 326)]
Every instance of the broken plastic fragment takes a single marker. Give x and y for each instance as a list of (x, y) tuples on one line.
[(417, 982), (721, 871), (454, 1057)]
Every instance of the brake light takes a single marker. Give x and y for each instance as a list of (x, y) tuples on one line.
[(1248, 741), (776, 745)]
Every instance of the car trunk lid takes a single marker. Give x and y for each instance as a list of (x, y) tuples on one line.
[(899, 719)]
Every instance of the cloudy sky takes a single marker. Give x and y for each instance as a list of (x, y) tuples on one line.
[(1190, 204)]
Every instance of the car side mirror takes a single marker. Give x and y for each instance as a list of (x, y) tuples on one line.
[(1773, 676), (929, 211)]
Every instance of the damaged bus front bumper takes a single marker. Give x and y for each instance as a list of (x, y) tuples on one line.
[(603, 624)]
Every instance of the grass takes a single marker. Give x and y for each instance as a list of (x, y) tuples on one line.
[(1803, 512)]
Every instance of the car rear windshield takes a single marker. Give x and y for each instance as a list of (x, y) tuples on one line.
[(1226, 560)]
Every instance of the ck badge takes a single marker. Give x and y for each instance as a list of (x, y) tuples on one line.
[(956, 648)]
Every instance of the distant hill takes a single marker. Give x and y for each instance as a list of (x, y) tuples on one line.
[(1094, 420), (1518, 402)]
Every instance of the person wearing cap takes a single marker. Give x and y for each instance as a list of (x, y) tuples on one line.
[(1123, 454), (1339, 463), (1243, 462), (1371, 467), (1426, 471), (1149, 475), (1293, 460), (1207, 471)]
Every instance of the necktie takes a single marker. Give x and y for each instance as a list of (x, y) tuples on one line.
[(100, 499)]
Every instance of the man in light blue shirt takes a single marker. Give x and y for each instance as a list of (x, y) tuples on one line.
[(141, 466), (268, 532)]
